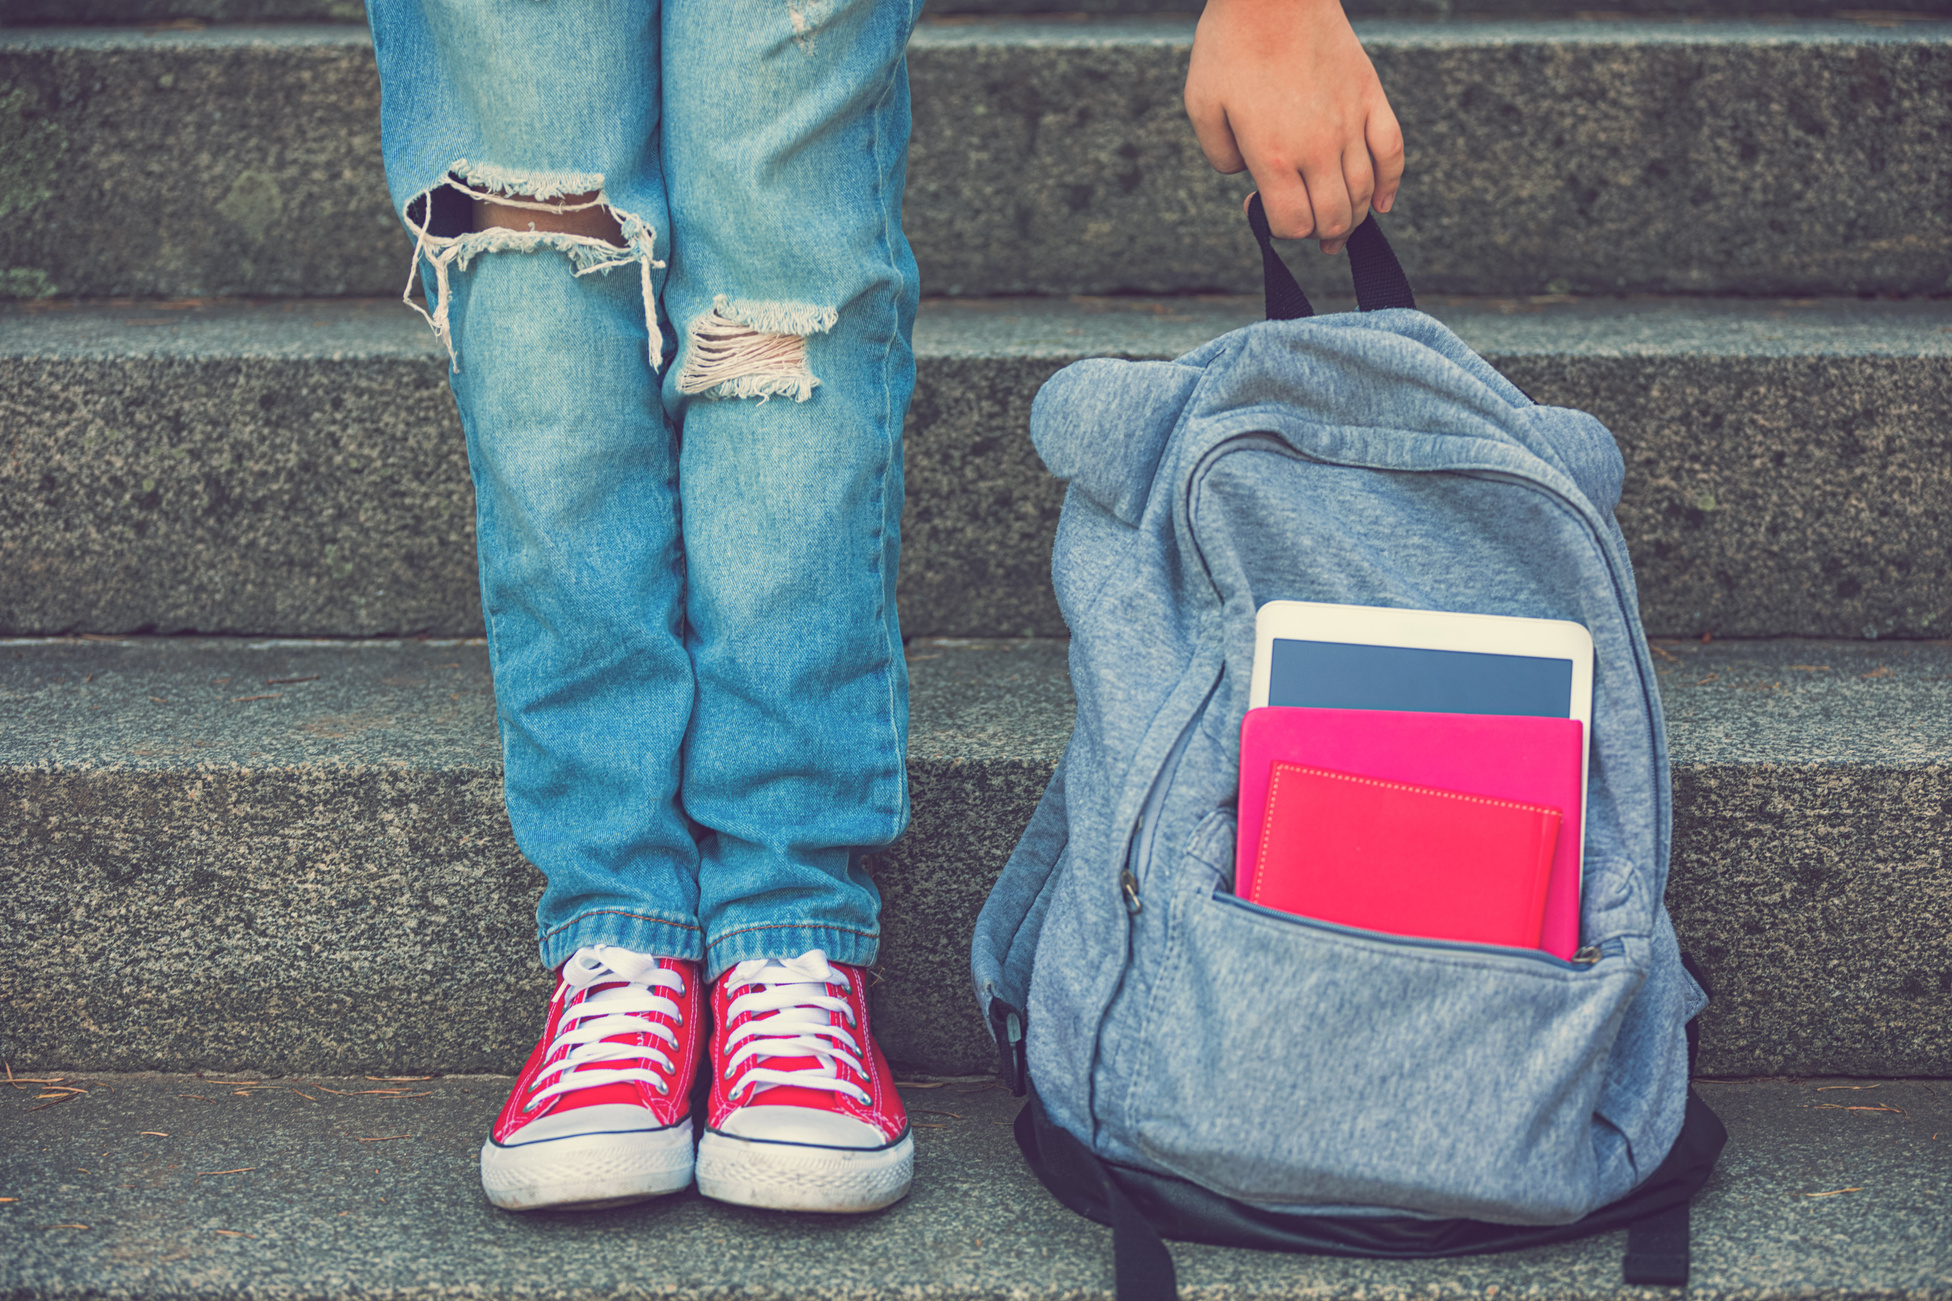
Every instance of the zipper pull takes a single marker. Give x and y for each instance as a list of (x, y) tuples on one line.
[(1129, 884), (1586, 957)]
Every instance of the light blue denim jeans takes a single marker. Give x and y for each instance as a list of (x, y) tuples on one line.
[(686, 450)]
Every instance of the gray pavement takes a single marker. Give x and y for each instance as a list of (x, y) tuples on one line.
[(323, 878), (1838, 1189)]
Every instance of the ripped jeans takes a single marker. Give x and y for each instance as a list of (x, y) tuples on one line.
[(686, 448)]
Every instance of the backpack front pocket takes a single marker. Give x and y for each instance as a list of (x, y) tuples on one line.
[(1294, 1063)]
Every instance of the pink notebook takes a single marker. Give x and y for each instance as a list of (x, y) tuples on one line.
[(1531, 760), (1407, 860)]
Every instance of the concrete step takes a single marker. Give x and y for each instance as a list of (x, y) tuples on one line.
[(293, 856), (1808, 1200), (296, 468), (1724, 156), (23, 13)]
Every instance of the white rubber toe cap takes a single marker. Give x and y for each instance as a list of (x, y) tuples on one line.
[(606, 1118), (804, 1176), (589, 1171), (802, 1125)]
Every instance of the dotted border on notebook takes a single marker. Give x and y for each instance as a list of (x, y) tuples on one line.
[(1274, 784)]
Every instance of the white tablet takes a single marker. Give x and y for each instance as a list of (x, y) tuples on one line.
[(1369, 657)]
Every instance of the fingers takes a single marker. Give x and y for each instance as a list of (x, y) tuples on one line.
[(1385, 141), (1216, 137), (1328, 200), (1358, 182), (1335, 212), (1314, 203), (1285, 194)]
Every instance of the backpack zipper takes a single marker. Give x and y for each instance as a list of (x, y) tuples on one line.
[(1138, 856), (1584, 959)]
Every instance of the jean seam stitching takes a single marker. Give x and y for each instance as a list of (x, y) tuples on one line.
[(793, 926), (891, 449), (619, 912)]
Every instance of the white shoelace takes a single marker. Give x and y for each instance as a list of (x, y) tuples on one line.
[(794, 1016), (628, 986)]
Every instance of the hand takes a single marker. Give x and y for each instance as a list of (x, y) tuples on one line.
[(1282, 89)]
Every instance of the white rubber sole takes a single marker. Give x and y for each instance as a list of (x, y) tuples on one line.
[(798, 1177), (587, 1171)]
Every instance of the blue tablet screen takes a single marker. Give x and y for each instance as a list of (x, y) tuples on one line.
[(1339, 675)]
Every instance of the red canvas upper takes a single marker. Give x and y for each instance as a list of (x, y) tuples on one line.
[(883, 1109), (665, 1108)]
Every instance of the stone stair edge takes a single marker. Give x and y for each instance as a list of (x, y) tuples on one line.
[(1100, 172), (241, 423), (1884, 703), (211, 12), (1053, 327), (1087, 29), (328, 833)]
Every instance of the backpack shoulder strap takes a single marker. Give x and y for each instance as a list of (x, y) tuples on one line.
[(1657, 1249), (1142, 1267)]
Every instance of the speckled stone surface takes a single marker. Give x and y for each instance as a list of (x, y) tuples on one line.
[(1812, 873), (228, 470), (230, 160), (223, 853), (1595, 157), (127, 12), (1780, 481), (989, 724), (1809, 1201), (1054, 157), (324, 880), (1788, 462), (199, 878), (296, 468), (23, 12), (103, 12)]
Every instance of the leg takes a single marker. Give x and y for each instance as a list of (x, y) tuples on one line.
[(793, 293), (521, 148), (521, 145), (582, 579)]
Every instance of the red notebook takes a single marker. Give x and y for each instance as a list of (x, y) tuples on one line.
[(1527, 760), (1408, 860)]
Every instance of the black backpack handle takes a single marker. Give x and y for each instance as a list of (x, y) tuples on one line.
[(1379, 277)]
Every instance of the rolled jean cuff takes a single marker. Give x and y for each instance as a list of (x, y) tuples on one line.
[(789, 940), (638, 932)]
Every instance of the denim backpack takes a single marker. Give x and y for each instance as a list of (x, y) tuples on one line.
[(1203, 1069)]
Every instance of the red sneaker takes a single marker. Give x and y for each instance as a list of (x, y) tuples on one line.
[(601, 1113), (804, 1113)]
